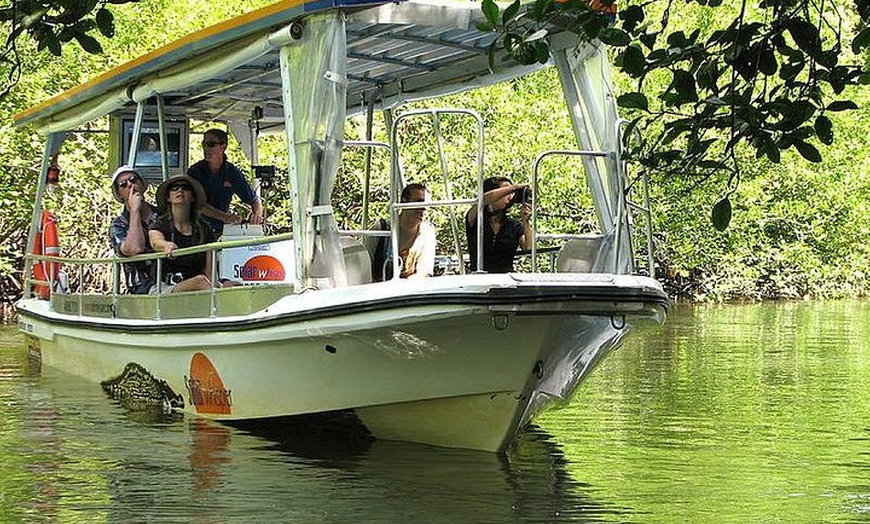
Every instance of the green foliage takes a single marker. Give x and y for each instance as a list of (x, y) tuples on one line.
[(51, 25), (712, 77)]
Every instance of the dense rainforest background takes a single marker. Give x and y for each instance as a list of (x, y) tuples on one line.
[(800, 229)]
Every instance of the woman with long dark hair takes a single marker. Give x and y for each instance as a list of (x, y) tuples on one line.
[(501, 233), (179, 225)]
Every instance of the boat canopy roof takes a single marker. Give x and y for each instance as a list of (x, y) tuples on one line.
[(396, 52)]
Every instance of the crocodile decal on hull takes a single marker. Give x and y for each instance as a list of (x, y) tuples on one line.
[(137, 389)]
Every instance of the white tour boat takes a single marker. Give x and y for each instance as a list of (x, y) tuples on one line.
[(458, 360)]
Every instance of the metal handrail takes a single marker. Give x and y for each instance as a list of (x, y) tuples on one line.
[(116, 262), (535, 167), (450, 202), (645, 208)]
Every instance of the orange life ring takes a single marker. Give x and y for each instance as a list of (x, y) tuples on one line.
[(46, 244)]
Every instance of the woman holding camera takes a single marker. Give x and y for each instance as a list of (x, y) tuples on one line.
[(501, 233), (179, 225)]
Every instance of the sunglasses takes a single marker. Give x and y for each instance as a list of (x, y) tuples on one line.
[(209, 144), (176, 187), (129, 182)]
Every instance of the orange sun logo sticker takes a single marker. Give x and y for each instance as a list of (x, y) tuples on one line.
[(262, 268), (205, 388)]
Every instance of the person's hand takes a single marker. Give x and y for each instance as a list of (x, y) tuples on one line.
[(527, 213), (256, 218), (233, 219), (134, 201), (168, 248)]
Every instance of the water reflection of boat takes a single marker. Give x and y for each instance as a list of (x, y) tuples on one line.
[(460, 360), (403, 482)]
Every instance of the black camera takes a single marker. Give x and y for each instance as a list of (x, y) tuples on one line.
[(523, 196)]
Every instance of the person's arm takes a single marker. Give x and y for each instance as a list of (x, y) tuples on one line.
[(210, 211), (159, 242), (526, 238), (488, 198), (134, 242), (256, 211)]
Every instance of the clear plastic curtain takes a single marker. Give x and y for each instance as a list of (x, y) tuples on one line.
[(315, 92)]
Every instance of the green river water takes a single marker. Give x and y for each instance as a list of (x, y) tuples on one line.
[(738, 413)]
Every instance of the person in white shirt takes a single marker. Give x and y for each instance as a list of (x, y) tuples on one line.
[(417, 241)]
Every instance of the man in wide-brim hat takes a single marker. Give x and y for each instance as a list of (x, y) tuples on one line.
[(128, 233)]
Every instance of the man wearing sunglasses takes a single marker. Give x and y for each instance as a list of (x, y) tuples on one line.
[(129, 230), (221, 180)]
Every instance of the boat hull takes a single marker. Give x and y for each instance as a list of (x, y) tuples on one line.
[(435, 371)]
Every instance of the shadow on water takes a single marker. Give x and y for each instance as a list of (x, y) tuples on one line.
[(529, 483)]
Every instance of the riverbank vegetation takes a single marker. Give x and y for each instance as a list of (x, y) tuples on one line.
[(800, 229)]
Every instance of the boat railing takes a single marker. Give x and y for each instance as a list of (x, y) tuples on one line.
[(369, 146), (643, 208), (436, 114), (536, 166), (116, 262)]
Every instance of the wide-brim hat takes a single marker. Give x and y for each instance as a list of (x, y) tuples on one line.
[(163, 190), (120, 171)]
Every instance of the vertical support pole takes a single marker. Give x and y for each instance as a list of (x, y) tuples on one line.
[(161, 129), (292, 171), (137, 130)]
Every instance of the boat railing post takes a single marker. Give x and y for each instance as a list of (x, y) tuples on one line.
[(644, 207), (161, 129), (157, 311), (445, 173), (116, 286), (81, 289), (214, 283)]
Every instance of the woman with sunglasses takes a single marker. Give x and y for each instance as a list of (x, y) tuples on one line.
[(179, 225)]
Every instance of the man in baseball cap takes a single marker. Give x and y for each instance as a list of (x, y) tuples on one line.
[(129, 230)]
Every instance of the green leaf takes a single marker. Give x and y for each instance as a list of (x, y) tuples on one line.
[(49, 40), (633, 101), (861, 41), (542, 8), (808, 151), (542, 51), (649, 40), (633, 61), (684, 84), (613, 36), (805, 35), (631, 17), (824, 129), (106, 23), (721, 215), (767, 62), (483, 25), (89, 43), (842, 105), (490, 11), (510, 12)]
